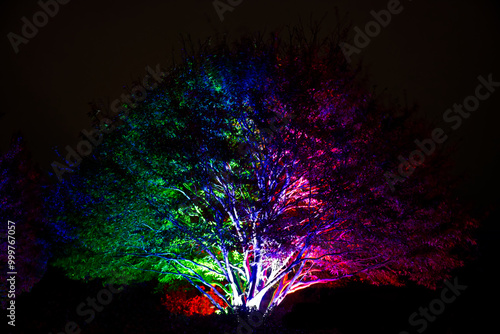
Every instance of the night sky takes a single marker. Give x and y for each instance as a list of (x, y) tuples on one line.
[(430, 54)]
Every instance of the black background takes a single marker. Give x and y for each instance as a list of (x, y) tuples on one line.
[(430, 55)]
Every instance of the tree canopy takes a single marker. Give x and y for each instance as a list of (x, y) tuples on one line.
[(254, 170)]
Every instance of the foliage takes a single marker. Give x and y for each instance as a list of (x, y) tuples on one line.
[(186, 300), (22, 190)]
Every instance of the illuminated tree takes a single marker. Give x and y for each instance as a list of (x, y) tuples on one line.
[(255, 171)]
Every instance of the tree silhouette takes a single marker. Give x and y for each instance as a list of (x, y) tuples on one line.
[(256, 170), (22, 190)]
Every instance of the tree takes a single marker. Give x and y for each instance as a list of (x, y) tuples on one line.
[(22, 189), (256, 170)]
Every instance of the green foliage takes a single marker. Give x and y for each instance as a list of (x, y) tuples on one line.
[(139, 205)]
